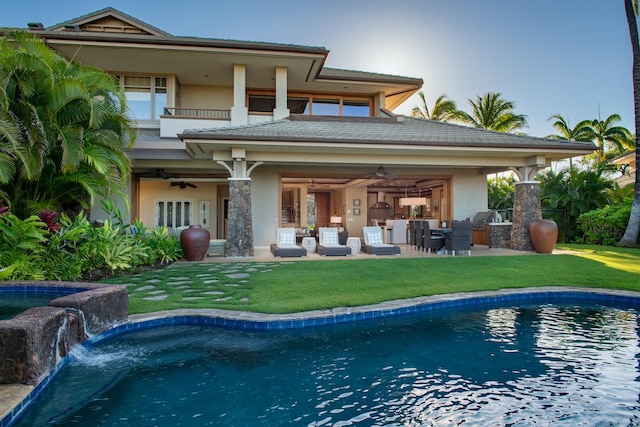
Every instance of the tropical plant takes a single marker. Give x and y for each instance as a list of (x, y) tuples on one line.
[(21, 242), (443, 109), (166, 248), (582, 131), (500, 192), (62, 127), (612, 140), (575, 191), (61, 248), (630, 237), (492, 112)]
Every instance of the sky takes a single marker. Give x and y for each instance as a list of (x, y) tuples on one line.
[(568, 57)]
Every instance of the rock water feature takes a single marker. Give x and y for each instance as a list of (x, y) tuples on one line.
[(35, 341)]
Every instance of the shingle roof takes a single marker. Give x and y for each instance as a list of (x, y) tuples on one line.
[(112, 11), (161, 36), (400, 130), (340, 74)]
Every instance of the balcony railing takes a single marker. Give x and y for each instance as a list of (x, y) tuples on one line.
[(200, 113)]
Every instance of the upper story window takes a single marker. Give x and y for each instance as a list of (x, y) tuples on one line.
[(146, 95), (313, 105)]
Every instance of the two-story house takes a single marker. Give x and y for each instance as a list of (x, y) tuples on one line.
[(244, 137)]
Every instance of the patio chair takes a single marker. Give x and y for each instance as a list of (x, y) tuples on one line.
[(373, 243), (328, 243), (459, 239), (431, 241), (285, 245), (413, 230), (419, 235), (399, 231)]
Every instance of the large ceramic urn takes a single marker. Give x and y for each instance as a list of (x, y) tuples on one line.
[(195, 242), (544, 234)]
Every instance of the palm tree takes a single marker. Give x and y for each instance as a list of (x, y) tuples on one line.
[(580, 132), (443, 110), (494, 113), (630, 237), (609, 137), (62, 127)]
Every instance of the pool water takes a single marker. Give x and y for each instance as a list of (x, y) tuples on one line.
[(13, 303), (518, 365)]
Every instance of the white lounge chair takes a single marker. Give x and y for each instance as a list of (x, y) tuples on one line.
[(285, 245), (328, 243), (373, 243)]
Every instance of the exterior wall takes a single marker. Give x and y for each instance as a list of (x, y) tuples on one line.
[(259, 118), (264, 202), (354, 223), (150, 191), (170, 127), (213, 97), (469, 194)]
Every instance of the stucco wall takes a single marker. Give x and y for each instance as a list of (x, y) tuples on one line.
[(151, 191), (213, 97), (469, 194), (264, 204), (355, 223)]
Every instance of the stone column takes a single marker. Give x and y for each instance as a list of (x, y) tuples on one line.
[(239, 222), (526, 209)]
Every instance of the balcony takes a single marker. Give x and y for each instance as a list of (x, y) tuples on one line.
[(175, 120)]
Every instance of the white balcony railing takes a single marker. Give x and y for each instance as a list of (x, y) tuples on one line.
[(176, 120), (202, 113)]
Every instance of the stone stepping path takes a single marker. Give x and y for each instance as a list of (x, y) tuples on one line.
[(215, 283)]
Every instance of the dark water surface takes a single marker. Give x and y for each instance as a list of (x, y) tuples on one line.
[(518, 365), (13, 303)]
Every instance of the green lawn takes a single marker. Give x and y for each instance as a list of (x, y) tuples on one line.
[(290, 286)]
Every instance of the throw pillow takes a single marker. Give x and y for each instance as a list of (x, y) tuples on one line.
[(287, 239), (374, 238), (329, 239)]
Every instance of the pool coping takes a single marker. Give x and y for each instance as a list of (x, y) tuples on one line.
[(15, 399), (264, 321)]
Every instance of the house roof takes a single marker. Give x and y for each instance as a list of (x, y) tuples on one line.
[(400, 130), (109, 12), (117, 42), (396, 140)]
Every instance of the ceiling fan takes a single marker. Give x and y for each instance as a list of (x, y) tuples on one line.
[(159, 174), (182, 184), (381, 173)]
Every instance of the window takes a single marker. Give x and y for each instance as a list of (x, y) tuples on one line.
[(146, 95), (262, 103), (173, 213), (353, 108), (325, 107), (317, 106)]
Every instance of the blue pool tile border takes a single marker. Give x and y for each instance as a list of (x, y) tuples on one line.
[(41, 289), (414, 306), (220, 321)]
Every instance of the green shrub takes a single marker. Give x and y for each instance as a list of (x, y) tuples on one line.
[(21, 244), (605, 226), (166, 248), (58, 248)]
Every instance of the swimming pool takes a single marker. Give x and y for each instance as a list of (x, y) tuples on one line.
[(515, 362)]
